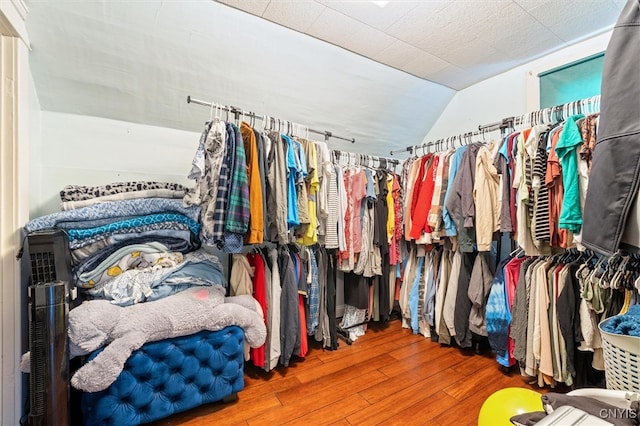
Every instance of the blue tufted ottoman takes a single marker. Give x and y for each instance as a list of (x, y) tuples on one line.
[(170, 376)]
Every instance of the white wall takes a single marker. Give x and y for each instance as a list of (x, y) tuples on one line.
[(81, 150), (138, 60), (514, 92), (35, 150)]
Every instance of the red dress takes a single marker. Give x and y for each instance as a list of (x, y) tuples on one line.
[(260, 294)]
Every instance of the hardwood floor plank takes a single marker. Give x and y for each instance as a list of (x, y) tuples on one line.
[(395, 402), (364, 343), (437, 380), (308, 402), (473, 363), (474, 381), (352, 359), (333, 413), (341, 422), (220, 412), (328, 393), (331, 381), (259, 388), (433, 359), (424, 411), (408, 351)]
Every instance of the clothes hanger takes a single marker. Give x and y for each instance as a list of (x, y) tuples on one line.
[(517, 252)]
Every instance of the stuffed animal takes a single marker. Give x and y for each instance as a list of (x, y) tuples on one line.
[(122, 330)]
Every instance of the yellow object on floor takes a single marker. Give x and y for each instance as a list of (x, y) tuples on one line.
[(501, 405)]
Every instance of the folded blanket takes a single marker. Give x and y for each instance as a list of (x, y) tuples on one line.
[(174, 240), (146, 193), (134, 256), (179, 230), (115, 210), (78, 234), (627, 324), (89, 257), (80, 192)]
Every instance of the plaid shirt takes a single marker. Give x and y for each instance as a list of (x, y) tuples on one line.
[(237, 220), (220, 210)]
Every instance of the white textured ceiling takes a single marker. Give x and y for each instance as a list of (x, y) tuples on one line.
[(137, 61), (451, 42)]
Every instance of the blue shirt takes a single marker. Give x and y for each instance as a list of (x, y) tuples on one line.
[(413, 296), (292, 176), (454, 165)]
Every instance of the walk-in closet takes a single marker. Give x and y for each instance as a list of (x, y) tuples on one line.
[(344, 212)]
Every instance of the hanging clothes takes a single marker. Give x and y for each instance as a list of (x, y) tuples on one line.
[(260, 294), (290, 342), (274, 295), (256, 217), (277, 207), (238, 209), (205, 170)]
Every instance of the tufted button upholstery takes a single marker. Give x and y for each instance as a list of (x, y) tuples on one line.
[(170, 376)]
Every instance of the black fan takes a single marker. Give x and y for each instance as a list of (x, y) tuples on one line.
[(48, 293)]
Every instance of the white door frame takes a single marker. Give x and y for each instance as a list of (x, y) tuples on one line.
[(14, 200)]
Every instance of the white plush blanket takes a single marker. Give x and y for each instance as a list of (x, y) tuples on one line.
[(122, 330)]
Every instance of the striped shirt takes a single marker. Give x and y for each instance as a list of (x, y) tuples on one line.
[(331, 237), (541, 191)]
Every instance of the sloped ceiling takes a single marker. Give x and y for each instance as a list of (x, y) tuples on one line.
[(451, 42), (138, 61)]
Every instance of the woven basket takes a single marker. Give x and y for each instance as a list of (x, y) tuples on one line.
[(621, 360)]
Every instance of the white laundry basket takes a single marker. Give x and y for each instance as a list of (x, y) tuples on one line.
[(621, 360)]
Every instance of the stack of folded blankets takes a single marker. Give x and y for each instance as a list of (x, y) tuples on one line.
[(132, 242)]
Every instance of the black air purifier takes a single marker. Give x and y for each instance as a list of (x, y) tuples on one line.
[(48, 345), (49, 303)]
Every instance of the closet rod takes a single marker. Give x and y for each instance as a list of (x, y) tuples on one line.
[(539, 116), (449, 140), (236, 111), (504, 124), (364, 157)]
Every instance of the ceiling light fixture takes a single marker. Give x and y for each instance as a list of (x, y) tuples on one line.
[(380, 4)]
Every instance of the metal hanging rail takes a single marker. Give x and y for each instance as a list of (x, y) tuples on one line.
[(545, 115), (238, 111), (446, 142), (364, 159)]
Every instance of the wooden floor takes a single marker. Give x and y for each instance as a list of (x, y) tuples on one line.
[(388, 376)]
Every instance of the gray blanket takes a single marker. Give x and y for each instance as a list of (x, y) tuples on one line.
[(122, 330)]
